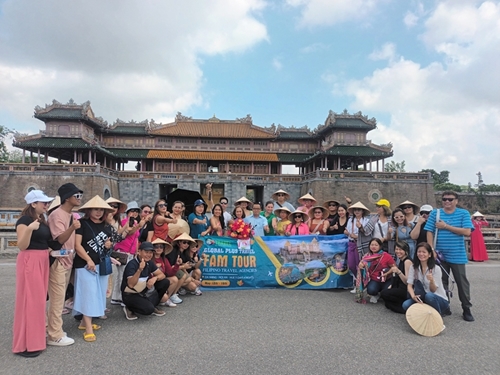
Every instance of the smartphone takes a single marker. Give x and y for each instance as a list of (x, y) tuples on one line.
[(92, 272), (131, 222)]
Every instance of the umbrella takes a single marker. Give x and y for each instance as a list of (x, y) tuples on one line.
[(424, 319), (188, 197)]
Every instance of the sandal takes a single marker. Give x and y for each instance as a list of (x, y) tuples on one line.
[(95, 327), (64, 311), (89, 337)]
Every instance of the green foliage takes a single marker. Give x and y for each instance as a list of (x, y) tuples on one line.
[(395, 167), (4, 132), (448, 186), (491, 187), (442, 177)]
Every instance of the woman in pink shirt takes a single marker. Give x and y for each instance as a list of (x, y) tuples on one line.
[(298, 224)]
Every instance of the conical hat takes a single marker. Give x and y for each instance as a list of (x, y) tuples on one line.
[(323, 209), (55, 203), (305, 217), (358, 205), (475, 214), (424, 319), (307, 196), (183, 237), (121, 206), (277, 212), (330, 200), (199, 242), (180, 227), (96, 202), (415, 207), (167, 247), (242, 199), (280, 191)]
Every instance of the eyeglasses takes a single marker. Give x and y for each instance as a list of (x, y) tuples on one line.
[(406, 207), (448, 199), (78, 195), (425, 212), (115, 206), (161, 205), (332, 204)]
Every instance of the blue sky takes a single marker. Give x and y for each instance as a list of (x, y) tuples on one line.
[(426, 70)]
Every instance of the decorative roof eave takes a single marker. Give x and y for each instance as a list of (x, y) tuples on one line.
[(376, 153), (48, 143), (363, 121), (81, 112), (213, 156)]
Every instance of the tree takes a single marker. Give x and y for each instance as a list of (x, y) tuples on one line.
[(4, 132), (448, 186), (395, 167), (442, 177)]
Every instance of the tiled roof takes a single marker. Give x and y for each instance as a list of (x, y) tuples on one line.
[(128, 153), (128, 130), (213, 129), (62, 113), (294, 134), (293, 158), (53, 143), (199, 155), (361, 151)]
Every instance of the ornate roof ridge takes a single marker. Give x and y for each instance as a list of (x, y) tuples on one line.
[(333, 116), (85, 110)]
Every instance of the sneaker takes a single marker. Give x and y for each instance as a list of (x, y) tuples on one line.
[(175, 299), (374, 299), (447, 312), (116, 302), (169, 303), (467, 315), (353, 291), (129, 314), (63, 341), (182, 291), (197, 292), (158, 312)]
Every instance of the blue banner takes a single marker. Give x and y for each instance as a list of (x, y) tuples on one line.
[(300, 262)]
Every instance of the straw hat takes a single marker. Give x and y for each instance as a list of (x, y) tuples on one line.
[(96, 202), (424, 319), (55, 203), (408, 203), (167, 248), (121, 206), (277, 212), (280, 191), (180, 227), (242, 199), (183, 237), (305, 217), (330, 200), (307, 196), (199, 242), (323, 209), (358, 205), (383, 202), (475, 214)]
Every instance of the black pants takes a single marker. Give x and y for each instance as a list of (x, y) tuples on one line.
[(460, 276), (394, 298), (143, 305)]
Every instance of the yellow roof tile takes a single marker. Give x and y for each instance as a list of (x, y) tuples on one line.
[(222, 156), (215, 129)]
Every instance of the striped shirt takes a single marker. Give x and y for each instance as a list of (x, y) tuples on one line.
[(450, 244)]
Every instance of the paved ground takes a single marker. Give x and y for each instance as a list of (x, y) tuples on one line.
[(272, 331)]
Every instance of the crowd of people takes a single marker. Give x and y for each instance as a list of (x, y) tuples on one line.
[(146, 257)]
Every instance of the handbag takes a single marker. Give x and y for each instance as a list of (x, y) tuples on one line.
[(138, 288), (120, 257)]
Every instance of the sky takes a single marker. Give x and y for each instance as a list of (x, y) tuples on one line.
[(426, 70)]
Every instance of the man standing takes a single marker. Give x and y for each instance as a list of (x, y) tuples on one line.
[(62, 226), (258, 223), (143, 284), (227, 216), (452, 224)]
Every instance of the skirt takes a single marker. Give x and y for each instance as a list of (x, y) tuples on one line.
[(90, 292), (32, 280)]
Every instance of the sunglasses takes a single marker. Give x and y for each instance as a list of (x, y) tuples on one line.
[(146, 212), (406, 207), (280, 195), (448, 199), (318, 212), (298, 216), (185, 242), (332, 204), (161, 205), (425, 212), (78, 195), (115, 206), (378, 205), (223, 202), (134, 211), (44, 203)]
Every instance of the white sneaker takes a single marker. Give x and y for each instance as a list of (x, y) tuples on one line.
[(182, 291), (63, 341), (175, 299), (374, 299), (353, 291), (197, 292), (169, 303)]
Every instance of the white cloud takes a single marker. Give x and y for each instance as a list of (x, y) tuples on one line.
[(387, 52), (131, 59), (314, 47), (331, 12), (277, 64), (444, 115), (410, 19)]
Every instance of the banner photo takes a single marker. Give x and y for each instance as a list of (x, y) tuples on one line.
[(300, 262)]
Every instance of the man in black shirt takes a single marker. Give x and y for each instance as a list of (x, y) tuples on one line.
[(143, 285)]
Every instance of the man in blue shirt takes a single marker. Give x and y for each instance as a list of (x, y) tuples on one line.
[(452, 224), (258, 223)]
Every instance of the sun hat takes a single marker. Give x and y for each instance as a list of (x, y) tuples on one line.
[(305, 217), (280, 191), (166, 246), (132, 206), (330, 200), (323, 210), (146, 246), (242, 199), (277, 211), (307, 196), (37, 196), (408, 203), (121, 206), (384, 202), (55, 203), (426, 207), (183, 237), (424, 319), (96, 202), (477, 214), (358, 205), (66, 191)]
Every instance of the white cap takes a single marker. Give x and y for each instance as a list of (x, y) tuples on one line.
[(426, 207), (37, 196)]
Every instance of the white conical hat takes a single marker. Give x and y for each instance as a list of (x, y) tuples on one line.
[(358, 205), (307, 196), (96, 202), (477, 214)]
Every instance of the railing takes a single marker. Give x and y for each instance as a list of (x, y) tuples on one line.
[(366, 175)]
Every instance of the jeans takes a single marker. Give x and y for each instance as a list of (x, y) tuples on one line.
[(437, 302), (375, 287)]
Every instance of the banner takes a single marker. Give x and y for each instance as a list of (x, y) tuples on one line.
[(300, 262)]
